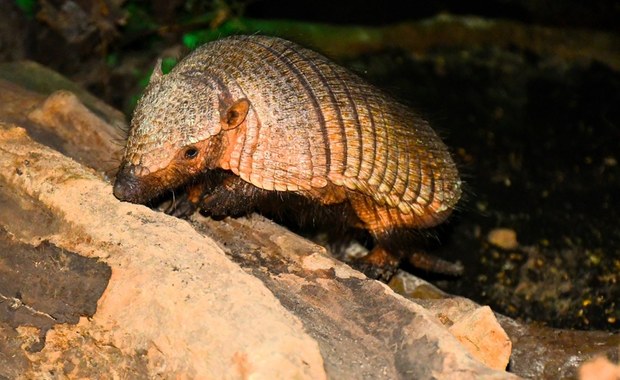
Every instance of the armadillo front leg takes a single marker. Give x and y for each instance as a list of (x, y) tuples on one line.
[(193, 196), (188, 202), (232, 197)]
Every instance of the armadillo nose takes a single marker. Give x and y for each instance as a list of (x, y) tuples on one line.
[(120, 190), (125, 185)]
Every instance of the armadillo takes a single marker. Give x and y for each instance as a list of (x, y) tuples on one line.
[(282, 118)]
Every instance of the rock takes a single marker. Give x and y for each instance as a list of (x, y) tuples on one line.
[(80, 130), (483, 337), (33, 81), (503, 238), (538, 352), (356, 321), (599, 369), (70, 284), (475, 326), (83, 128), (174, 304)]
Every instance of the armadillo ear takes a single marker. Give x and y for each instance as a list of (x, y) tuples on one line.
[(235, 114), (157, 73)]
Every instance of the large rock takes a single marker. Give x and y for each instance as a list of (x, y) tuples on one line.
[(106, 288)]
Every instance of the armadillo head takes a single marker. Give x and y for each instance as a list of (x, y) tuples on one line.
[(174, 136)]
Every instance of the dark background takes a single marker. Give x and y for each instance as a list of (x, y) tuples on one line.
[(600, 15)]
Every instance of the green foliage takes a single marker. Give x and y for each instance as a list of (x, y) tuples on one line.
[(167, 64), (139, 19), (192, 40), (27, 6), (143, 80), (193, 23), (195, 38), (111, 59)]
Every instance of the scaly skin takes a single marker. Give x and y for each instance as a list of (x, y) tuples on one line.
[(284, 118)]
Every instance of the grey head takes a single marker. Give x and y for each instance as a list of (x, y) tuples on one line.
[(176, 115)]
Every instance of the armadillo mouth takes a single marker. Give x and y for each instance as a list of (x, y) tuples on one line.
[(130, 188), (134, 188)]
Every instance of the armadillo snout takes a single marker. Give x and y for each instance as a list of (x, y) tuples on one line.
[(127, 187)]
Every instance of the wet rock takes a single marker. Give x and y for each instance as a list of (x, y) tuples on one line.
[(43, 285)]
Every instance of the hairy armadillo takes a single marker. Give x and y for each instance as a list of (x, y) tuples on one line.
[(281, 118)]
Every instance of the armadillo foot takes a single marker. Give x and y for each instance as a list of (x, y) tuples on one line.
[(186, 203), (378, 264), (180, 207)]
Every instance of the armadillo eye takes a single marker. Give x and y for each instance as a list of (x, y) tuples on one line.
[(191, 152)]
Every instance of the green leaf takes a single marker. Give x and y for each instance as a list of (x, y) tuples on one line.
[(27, 6), (167, 64)]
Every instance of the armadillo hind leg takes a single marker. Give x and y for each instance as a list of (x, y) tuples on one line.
[(382, 262), (405, 245), (393, 235), (378, 264)]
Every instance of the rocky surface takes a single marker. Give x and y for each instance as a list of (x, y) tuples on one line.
[(232, 298), (538, 352), (599, 369), (174, 304)]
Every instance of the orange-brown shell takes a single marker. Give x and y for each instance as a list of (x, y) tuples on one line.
[(313, 128)]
